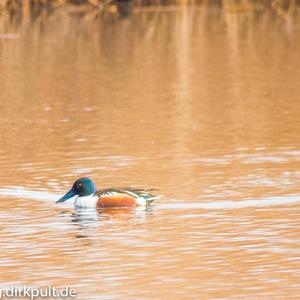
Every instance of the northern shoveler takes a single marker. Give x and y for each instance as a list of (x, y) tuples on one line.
[(88, 196)]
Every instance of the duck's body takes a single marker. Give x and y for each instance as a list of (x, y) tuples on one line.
[(87, 196)]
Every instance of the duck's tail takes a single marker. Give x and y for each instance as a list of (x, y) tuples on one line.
[(143, 196), (150, 198)]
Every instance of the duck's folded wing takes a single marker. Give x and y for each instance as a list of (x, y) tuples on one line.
[(125, 197), (135, 193)]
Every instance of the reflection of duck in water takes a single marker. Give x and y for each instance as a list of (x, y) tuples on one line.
[(87, 196)]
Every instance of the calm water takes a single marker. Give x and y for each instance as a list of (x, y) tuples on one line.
[(201, 104)]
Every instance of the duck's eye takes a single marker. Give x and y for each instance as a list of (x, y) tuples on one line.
[(80, 184)]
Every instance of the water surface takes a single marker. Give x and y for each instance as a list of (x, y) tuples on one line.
[(200, 103)]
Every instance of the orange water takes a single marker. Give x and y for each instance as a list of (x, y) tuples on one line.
[(200, 103)]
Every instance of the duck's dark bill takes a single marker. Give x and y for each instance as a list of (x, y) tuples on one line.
[(67, 196)]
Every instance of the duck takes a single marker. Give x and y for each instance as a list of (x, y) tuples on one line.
[(87, 196)]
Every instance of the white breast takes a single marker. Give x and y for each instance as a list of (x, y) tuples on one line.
[(87, 201)]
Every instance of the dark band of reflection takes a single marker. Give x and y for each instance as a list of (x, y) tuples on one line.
[(20, 12)]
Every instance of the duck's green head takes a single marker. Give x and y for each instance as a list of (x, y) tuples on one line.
[(82, 187)]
